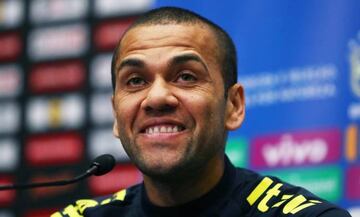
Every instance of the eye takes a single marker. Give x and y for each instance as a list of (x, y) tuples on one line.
[(186, 76), (136, 82)]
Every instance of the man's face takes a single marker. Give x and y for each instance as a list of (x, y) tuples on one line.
[(169, 100)]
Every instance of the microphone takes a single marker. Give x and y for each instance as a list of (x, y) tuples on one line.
[(100, 166)]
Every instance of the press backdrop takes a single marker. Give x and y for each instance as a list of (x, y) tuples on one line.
[(299, 62)]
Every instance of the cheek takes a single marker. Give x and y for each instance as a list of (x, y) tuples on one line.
[(205, 109), (126, 108)]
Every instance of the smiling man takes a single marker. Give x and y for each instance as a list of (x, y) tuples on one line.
[(175, 99)]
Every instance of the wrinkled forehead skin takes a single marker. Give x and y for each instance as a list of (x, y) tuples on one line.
[(193, 37)]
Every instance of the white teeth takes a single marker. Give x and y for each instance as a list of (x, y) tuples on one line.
[(162, 129)]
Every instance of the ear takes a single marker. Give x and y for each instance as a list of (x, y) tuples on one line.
[(235, 107), (115, 125)]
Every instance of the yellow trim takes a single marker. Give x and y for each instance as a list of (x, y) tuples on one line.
[(259, 190), (273, 192), (301, 207), (84, 204), (294, 203), (72, 211), (120, 195), (106, 201), (284, 198), (57, 214)]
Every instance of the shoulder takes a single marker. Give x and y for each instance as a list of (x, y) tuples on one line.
[(84, 207), (269, 196)]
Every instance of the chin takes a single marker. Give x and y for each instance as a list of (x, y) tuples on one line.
[(164, 170)]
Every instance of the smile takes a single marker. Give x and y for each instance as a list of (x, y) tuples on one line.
[(163, 129)]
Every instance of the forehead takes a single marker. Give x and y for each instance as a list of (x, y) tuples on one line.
[(195, 37)]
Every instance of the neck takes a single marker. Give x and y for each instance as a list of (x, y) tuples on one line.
[(166, 193)]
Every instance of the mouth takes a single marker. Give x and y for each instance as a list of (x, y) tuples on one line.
[(162, 129)]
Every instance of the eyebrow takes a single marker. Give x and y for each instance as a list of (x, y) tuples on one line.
[(177, 60), (131, 62)]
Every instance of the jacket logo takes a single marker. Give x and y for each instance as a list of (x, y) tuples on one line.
[(292, 203)]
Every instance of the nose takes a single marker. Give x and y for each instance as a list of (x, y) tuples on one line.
[(160, 97)]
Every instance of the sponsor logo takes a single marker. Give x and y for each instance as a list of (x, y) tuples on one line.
[(9, 117), (115, 7), (54, 149), (100, 108), (9, 154), (54, 77), (45, 11), (100, 71), (107, 34), (11, 13), (10, 81), (122, 176), (351, 142), (55, 112), (325, 182), (295, 149), (59, 41), (10, 46), (354, 60), (103, 141), (237, 151), (6, 197), (353, 182)]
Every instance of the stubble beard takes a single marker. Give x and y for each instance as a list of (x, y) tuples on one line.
[(188, 166), (161, 170)]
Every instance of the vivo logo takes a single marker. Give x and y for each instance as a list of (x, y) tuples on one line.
[(294, 149), (288, 151)]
